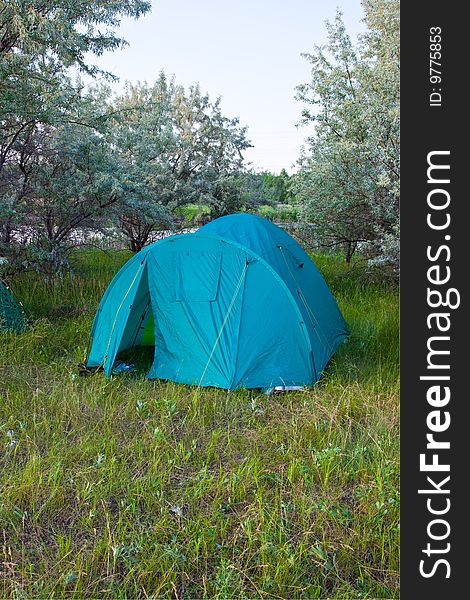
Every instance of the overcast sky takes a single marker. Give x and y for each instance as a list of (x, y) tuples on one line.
[(247, 51)]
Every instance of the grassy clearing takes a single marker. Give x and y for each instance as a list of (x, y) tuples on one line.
[(129, 488)]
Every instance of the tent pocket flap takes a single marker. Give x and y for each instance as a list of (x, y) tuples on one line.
[(197, 275)]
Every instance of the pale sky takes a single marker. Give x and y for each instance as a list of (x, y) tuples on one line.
[(247, 51)]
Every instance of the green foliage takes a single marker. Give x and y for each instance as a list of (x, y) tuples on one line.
[(193, 213), (277, 186), (265, 188), (349, 176), (267, 212), (11, 313), (39, 42), (66, 176), (130, 488), (126, 161), (279, 213), (179, 149)]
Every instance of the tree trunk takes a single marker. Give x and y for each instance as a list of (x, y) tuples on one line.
[(350, 249)]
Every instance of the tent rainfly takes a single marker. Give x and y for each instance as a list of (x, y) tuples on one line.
[(237, 304)]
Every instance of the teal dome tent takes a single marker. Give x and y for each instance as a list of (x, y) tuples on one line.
[(238, 304)]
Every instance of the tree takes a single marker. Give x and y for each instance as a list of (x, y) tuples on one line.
[(348, 179), (179, 148), (71, 176), (39, 41), (277, 186), (142, 131), (264, 188)]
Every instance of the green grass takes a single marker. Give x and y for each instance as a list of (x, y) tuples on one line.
[(130, 488)]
